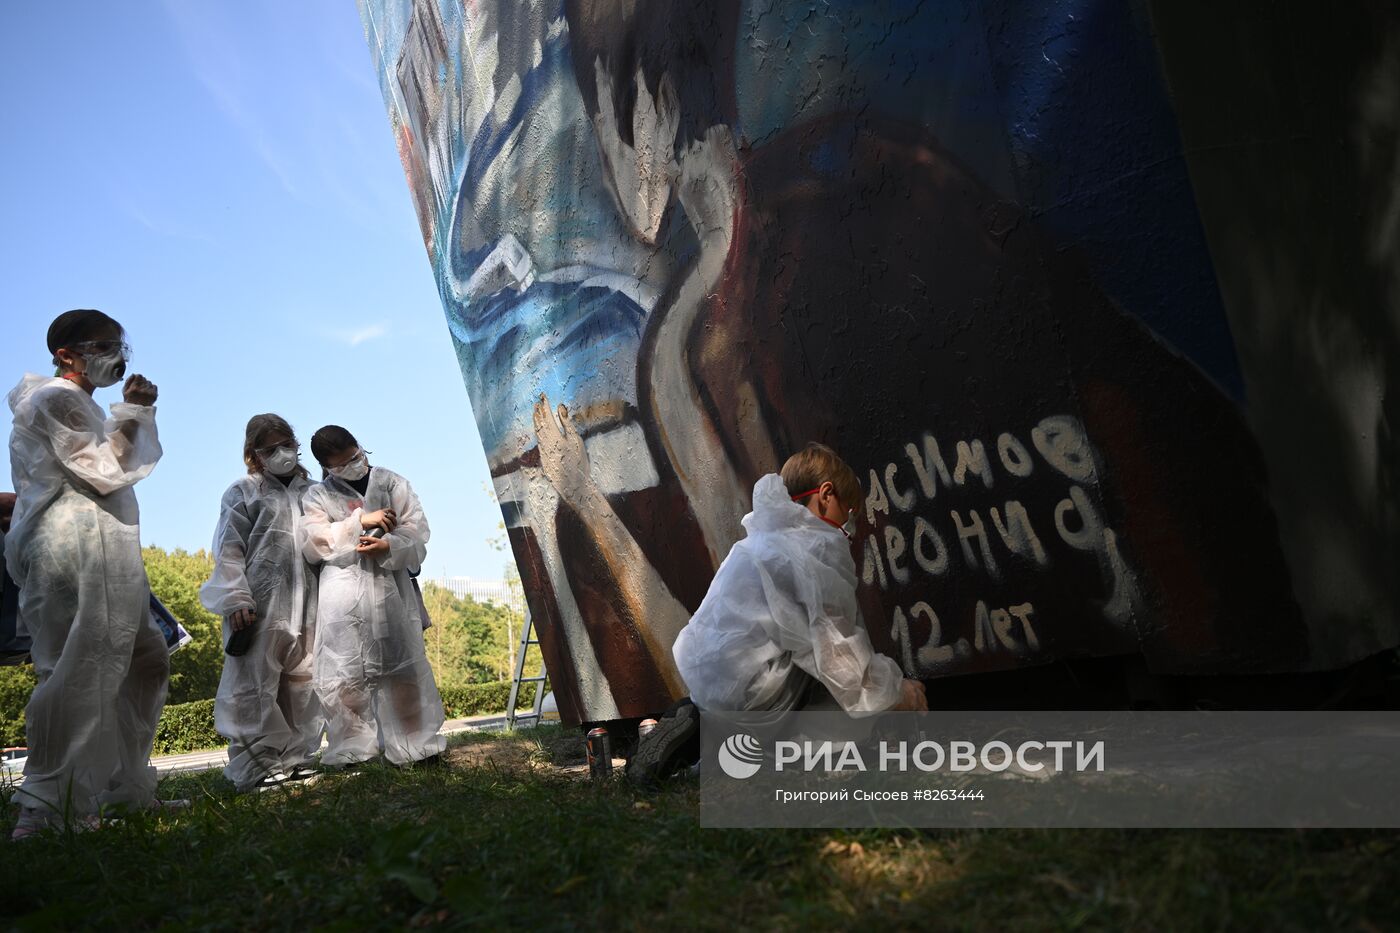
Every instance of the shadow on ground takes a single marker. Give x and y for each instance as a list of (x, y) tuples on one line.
[(500, 834)]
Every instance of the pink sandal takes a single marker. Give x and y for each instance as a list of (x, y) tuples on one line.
[(31, 827), (23, 832)]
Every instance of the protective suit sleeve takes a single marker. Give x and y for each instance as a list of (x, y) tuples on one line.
[(327, 539), (812, 612), (408, 544), (104, 458), (861, 679), (227, 590)]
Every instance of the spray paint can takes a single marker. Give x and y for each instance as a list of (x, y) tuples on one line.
[(599, 753), (647, 727)]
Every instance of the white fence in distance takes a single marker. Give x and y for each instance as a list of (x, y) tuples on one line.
[(493, 591)]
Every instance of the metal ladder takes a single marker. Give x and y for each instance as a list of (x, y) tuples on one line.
[(526, 640)]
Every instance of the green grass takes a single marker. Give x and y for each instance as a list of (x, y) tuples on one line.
[(490, 841)]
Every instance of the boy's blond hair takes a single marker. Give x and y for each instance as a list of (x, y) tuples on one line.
[(816, 464)]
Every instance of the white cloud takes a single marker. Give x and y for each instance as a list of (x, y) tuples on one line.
[(156, 222), (219, 68), (296, 128), (355, 336)]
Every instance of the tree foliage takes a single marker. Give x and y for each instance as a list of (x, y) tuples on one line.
[(16, 684), (176, 577), (468, 642)]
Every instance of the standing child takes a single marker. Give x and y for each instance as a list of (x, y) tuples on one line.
[(366, 529), (74, 549), (265, 591)]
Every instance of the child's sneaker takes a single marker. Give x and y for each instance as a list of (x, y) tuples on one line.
[(270, 780), (169, 806), (305, 775), (672, 745)]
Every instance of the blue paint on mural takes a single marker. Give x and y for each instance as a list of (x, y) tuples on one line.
[(1059, 106), (565, 340), (676, 240)]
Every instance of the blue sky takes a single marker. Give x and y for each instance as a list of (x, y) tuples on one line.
[(221, 178)]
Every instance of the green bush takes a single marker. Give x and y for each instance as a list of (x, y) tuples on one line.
[(187, 727), (183, 727), (16, 683), (470, 642), (480, 699), (468, 645), (176, 577)]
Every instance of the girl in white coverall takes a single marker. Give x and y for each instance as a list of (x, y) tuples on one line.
[(263, 586), (371, 670), (74, 548)]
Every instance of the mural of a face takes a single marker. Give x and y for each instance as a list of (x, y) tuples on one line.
[(963, 245)]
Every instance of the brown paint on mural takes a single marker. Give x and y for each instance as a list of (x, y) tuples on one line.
[(614, 624), (939, 306), (662, 525), (544, 614)]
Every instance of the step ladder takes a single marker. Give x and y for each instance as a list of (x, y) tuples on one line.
[(527, 633)]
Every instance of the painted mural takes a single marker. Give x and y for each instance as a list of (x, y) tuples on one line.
[(1101, 306)]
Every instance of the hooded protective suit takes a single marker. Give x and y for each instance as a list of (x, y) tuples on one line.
[(74, 548), (780, 613), (266, 706), (371, 670)]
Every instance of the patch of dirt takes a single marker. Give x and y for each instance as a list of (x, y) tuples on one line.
[(506, 754), (560, 751), (562, 747)]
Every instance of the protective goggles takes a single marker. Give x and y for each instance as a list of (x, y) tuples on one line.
[(104, 348)]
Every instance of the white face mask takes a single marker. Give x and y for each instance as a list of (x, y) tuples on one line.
[(105, 370), (281, 462), (353, 471), (106, 360)]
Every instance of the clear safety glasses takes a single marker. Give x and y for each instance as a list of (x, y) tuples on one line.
[(104, 348)]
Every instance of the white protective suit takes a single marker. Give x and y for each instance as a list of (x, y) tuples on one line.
[(74, 548), (371, 670), (782, 611), (266, 706)]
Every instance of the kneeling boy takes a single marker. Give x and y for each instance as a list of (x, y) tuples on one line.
[(779, 628)]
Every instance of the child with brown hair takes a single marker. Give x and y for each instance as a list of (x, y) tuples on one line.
[(265, 591), (779, 628)]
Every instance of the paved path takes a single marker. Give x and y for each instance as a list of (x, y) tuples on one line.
[(204, 761)]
